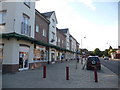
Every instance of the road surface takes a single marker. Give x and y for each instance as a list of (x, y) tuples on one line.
[(113, 65)]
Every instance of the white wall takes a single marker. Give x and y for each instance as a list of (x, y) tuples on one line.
[(51, 29), (11, 51), (14, 16), (67, 40)]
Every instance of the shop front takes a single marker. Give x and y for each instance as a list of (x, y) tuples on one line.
[(1, 55), (40, 56)]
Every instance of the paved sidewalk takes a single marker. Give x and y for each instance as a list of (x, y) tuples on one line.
[(56, 78)]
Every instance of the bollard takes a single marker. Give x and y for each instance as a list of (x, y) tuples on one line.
[(67, 73), (44, 71), (95, 74)]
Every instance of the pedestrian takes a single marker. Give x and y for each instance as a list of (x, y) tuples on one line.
[(78, 59), (82, 60), (62, 58)]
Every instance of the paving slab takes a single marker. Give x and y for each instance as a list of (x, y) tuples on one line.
[(56, 77)]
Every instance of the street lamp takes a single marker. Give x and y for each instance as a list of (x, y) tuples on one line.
[(82, 42)]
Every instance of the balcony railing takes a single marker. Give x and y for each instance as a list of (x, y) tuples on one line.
[(25, 29)]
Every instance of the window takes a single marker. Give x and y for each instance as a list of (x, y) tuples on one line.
[(2, 16), (27, 3), (62, 41), (25, 27), (44, 33), (37, 28), (53, 26), (53, 35), (53, 20)]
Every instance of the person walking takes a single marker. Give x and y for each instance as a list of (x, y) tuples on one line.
[(77, 59)]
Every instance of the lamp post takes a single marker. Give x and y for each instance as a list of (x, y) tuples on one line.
[(82, 52), (82, 41)]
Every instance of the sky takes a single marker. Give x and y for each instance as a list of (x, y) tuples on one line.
[(97, 20)]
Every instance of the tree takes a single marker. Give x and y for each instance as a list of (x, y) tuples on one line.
[(97, 52), (110, 47), (105, 53), (111, 51)]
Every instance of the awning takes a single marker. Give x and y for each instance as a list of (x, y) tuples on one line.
[(32, 40)]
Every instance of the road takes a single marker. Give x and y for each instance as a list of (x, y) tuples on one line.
[(112, 65)]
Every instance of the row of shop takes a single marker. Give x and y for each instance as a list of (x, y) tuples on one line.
[(19, 54)]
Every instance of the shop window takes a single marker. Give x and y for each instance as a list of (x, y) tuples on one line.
[(1, 53), (39, 55)]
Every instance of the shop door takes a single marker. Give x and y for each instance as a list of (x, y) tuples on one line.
[(23, 60), (52, 57)]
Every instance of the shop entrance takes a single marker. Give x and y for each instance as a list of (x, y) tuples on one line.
[(23, 57), (23, 60), (52, 57)]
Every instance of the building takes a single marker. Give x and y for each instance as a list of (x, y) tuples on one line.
[(73, 46), (41, 35), (17, 27), (67, 34), (61, 42), (51, 16), (30, 39)]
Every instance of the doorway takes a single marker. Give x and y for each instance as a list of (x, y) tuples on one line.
[(23, 60)]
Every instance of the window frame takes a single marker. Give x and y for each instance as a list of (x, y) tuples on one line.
[(37, 28), (44, 33), (53, 35), (3, 14), (27, 3)]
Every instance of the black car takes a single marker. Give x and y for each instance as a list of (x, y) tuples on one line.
[(106, 58), (93, 61)]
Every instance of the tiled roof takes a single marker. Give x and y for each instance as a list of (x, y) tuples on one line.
[(64, 30), (47, 14)]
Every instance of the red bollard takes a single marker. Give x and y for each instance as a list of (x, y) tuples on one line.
[(95, 74), (67, 73), (44, 71)]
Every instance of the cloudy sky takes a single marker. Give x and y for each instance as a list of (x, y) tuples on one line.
[(97, 20)]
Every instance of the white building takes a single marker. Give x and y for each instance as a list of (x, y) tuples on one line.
[(73, 47), (17, 25), (52, 34)]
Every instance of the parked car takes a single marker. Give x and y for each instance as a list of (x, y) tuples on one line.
[(106, 58), (93, 61)]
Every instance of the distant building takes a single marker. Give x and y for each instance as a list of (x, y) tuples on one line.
[(61, 42)]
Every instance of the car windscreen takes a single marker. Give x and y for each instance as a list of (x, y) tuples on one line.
[(93, 58)]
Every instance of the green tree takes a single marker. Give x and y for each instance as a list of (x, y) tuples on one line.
[(105, 53), (97, 52), (111, 51)]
